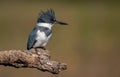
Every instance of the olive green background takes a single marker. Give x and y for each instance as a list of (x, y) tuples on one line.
[(90, 44)]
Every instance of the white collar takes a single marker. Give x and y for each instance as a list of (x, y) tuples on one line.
[(48, 25)]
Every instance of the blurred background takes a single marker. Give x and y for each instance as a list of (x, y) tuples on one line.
[(90, 44)]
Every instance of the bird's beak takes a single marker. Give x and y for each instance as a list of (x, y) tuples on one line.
[(61, 23)]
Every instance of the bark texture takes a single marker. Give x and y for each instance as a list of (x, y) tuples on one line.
[(34, 58)]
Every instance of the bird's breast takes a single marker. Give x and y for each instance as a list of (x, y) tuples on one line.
[(41, 39), (40, 35)]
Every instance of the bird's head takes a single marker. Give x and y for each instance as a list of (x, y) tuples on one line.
[(49, 17)]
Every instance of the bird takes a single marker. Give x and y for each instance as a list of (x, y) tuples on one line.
[(42, 32)]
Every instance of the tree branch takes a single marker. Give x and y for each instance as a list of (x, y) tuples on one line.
[(34, 58)]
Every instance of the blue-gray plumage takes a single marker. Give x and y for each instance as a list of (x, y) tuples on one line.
[(42, 32), (33, 35)]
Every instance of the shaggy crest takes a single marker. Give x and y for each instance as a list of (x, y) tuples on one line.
[(47, 16)]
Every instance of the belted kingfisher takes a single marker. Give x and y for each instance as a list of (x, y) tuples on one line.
[(42, 32)]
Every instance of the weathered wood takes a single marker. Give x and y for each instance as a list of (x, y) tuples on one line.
[(34, 58)]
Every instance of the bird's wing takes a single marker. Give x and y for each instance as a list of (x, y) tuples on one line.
[(31, 39)]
